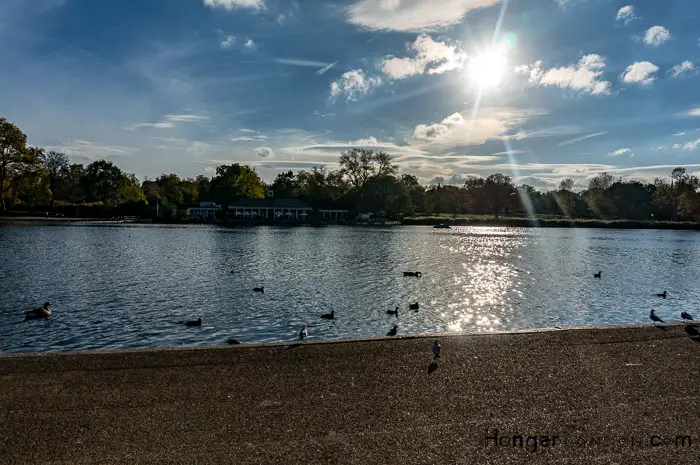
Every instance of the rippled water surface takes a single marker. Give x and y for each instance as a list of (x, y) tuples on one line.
[(127, 286)]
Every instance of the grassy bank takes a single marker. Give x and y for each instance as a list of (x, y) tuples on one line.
[(516, 222)]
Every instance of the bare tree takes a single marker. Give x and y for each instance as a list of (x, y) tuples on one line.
[(57, 168)]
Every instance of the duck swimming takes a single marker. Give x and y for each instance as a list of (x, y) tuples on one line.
[(414, 306), (259, 289), (392, 331), (43, 312), (329, 316), (197, 322), (393, 312)]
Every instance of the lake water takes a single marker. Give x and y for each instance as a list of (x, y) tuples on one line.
[(126, 286)]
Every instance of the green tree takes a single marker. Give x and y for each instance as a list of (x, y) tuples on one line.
[(235, 181), (17, 161)]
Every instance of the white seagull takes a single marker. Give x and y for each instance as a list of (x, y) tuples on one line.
[(436, 348), (303, 333)]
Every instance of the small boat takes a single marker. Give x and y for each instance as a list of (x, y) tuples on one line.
[(442, 226)]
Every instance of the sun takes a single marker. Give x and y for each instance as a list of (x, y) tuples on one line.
[(486, 70)]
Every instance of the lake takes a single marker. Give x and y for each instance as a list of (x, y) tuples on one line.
[(127, 286)]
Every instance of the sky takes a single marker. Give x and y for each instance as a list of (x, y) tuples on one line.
[(540, 90)]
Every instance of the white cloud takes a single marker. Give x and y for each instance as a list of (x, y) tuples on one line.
[(620, 152), (585, 76), (199, 148), (455, 130), (90, 150), (168, 122), (428, 52), (656, 36), (250, 45), (247, 130), (641, 72), (694, 112), (354, 84), (232, 4), (687, 67), (689, 146), (626, 14), (299, 62), (264, 152), (411, 15), (582, 138), (228, 42)]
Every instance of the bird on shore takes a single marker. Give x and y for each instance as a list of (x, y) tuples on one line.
[(232, 342), (686, 316), (197, 322), (329, 316), (414, 306), (393, 312), (259, 289), (43, 312), (393, 331), (597, 275), (303, 333), (655, 318), (662, 295), (436, 349)]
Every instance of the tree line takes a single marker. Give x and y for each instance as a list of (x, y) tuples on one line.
[(365, 181)]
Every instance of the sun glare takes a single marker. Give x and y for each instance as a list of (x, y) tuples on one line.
[(486, 69)]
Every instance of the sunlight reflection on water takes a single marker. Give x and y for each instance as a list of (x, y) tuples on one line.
[(127, 286)]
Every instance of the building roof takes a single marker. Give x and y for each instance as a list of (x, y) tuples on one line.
[(270, 202)]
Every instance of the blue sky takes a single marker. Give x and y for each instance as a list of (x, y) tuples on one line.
[(537, 89)]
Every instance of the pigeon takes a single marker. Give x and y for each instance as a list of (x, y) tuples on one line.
[(686, 316), (436, 349), (303, 333), (392, 331), (655, 318)]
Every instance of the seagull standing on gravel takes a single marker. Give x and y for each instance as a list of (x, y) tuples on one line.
[(303, 333), (655, 318), (436, 349), (686, 316)]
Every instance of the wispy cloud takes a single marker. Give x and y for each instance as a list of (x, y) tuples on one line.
[(326, 68), (300, 62), (656, 35), (233, 4), (585, 76), (685, 68), (169, 122), (90, 150), (641, 72), (620, 152), (689, 146), (411, 15), (626, 14), (442, 56), (582, 138)]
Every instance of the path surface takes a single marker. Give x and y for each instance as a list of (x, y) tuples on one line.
[(363, 402)]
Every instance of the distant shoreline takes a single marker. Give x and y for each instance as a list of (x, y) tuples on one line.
[(414, 221)]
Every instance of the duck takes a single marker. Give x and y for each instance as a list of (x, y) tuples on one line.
[(393, 312), (655, 318), (597, 275), (417, 274), (686, 316), (662, 295), (303, 333), (392, 331), (43, 312), (329, 316), (414, 306), (259, 289), (197, 322), (232, 342)]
